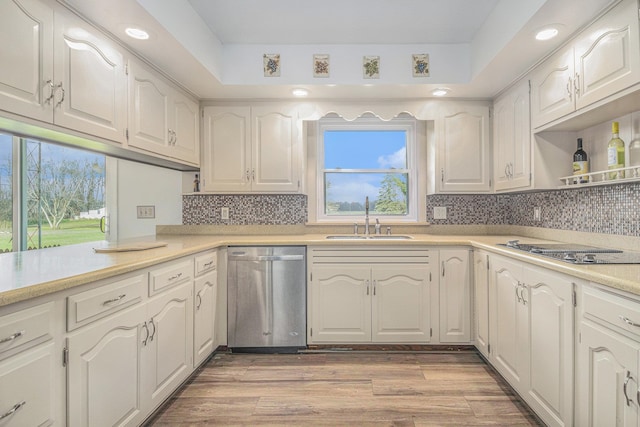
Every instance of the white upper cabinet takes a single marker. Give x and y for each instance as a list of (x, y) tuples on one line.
[(512, 139), (463, 149), (602, 60), (162, 120), (26, 74), (89, 71), (72, 76), (251, 149)]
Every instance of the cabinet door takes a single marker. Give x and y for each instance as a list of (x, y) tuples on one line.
[(185, 126), (340, 303), (148, 110), (607, 378), (509, 323), (502, 142), (93, 95), (607, 55), (105, 359), (455, 323), (226, 162), (549, 299), (481, 300), (401, 303), (276, 149), (205, 301), (169, 351), (552, 91), (464, 150), (26, 55), (29, 395)]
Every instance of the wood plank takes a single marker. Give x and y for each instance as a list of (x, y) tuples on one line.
[(346, 388)]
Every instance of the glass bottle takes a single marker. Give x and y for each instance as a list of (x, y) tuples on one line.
[(615, 152), (581, 163)]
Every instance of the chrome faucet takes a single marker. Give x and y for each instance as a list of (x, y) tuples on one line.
[(366, 216), (378, 231)]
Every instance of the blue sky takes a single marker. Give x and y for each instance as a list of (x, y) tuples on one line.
[(361, 150)]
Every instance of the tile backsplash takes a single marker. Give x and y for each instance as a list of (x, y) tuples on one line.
[(252, 209), (613, 209)]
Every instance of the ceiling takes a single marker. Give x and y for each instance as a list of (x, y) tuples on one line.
[(215, 48)]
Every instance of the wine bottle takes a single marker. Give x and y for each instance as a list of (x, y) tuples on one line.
[(615, 152), (580, 163)]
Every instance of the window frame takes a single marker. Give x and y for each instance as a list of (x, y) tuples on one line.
[(408, 125)]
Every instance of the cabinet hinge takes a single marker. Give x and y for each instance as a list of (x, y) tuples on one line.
[(126, 69), (430, 279), (431, 332), (311, 332), (530, 177), (490, 182), (202, 113), (65, 357), (126, 133), (487, 262), (311, 276), (574, 298), (489, 348)]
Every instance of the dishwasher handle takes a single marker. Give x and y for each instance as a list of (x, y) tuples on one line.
[(240, 256)]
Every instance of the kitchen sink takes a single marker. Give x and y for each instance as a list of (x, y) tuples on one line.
[(373, 237)]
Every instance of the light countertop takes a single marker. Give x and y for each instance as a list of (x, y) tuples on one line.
[(31, 274)]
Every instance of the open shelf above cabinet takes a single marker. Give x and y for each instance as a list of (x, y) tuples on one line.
[(608, 177)]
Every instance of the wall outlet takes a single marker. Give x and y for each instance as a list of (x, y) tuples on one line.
[(537, 213), (439, 212), (224, 213), (146, 212)]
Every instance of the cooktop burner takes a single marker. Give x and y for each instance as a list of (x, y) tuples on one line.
[(577, 254)]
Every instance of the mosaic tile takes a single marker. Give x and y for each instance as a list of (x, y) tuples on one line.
[(613, 209)]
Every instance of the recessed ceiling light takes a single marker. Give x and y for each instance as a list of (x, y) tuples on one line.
[(137, 33), (300, 92), (547, 33), (441, 91)]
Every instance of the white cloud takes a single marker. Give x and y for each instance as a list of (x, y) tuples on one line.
[(397, 160)]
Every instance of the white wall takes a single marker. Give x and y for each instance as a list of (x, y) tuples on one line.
[(143, 185)]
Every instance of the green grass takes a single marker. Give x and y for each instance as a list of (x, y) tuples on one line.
[(70, 232)]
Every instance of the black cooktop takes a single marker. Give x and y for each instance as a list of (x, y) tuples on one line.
[(576, 254)]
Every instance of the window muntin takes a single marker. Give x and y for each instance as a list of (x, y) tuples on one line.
[(6, 193), (366, 158)]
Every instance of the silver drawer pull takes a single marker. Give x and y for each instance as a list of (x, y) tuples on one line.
[(208, 264), (177, 276), (13, 410), (116, 299), (629, 321), (11, 338)]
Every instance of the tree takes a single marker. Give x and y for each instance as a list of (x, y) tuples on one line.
[(392, 196), (66, 187)]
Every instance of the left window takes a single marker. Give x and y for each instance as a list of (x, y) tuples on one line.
[(50, 195)]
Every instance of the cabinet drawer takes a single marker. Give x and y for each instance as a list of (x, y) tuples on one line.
[(170, 275), (616, 310), (206, 262), (88, 306), (26, 328)]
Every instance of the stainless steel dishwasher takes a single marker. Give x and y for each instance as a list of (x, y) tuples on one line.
[(266, 299)]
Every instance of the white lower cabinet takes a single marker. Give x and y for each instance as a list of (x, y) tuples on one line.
[(104, 386), (531, 335), (455, 300), (29, 391), (608, 359), (359, 301), (481, 301), (204, 324), (122, 367)]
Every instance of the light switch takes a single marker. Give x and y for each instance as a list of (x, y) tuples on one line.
[(439, 212)]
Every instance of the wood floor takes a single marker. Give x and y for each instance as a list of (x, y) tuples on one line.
[(346, 389)]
